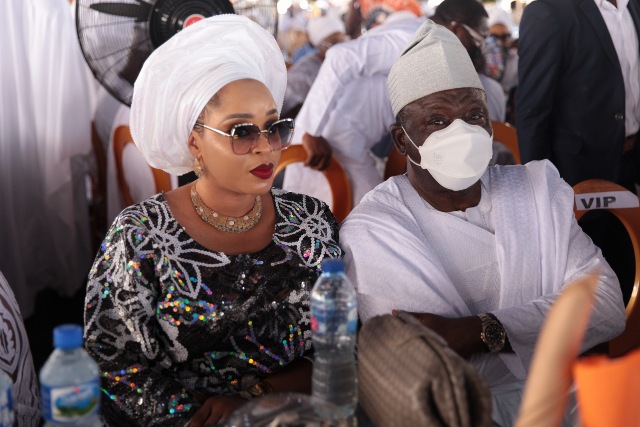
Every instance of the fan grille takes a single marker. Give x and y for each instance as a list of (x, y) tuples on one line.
[(117, 36)]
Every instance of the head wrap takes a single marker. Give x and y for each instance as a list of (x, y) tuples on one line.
[(182, 75), (434, 61), (390, 6), (498, 15), (322, 27)]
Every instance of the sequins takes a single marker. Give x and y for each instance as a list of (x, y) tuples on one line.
[(182, 310), (202, 319)]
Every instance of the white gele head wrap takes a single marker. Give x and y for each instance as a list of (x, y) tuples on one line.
[(434, 61), (322, 27), (498, 15), (182, 75)]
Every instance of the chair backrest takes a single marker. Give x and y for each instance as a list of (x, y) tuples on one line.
[(122, 137), (602, 194), (396, 164), (506, 134), (335, 175), (549, 381)]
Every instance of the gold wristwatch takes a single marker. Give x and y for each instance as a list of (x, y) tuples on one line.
[(493, 333), (260, 389)]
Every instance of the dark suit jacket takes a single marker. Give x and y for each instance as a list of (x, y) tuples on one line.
[(570, 99)]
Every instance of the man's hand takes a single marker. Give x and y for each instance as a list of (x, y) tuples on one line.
[(461, 333), (318, 152), (215, 409)]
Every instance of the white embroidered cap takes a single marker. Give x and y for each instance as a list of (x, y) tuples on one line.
[(322, 27), (434, 61), (182, 75)]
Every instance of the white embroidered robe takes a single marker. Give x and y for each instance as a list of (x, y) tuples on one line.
[(511, 255)]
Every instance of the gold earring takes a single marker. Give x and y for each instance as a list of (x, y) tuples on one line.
[(197, 168)]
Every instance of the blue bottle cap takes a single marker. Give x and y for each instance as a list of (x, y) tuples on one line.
[(67, 337), (333, 265)]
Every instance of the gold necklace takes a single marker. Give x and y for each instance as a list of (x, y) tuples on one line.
[(228, 224)]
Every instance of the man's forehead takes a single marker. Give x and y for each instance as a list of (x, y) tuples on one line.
[(446, 97)]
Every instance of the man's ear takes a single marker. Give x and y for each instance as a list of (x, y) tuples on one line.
[(398, 137)]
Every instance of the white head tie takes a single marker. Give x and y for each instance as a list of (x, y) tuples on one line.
[(322, 27), (182, 75), (434, 61)]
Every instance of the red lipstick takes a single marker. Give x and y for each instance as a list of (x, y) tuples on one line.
[(263, 171)]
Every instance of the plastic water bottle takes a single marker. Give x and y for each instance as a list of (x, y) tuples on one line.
[(70, 382), (334, 323), (7, 416)]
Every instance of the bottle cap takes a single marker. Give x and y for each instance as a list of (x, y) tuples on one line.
[(67, 337), (333, 265)]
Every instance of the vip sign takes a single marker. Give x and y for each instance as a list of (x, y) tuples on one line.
[(606, 200)]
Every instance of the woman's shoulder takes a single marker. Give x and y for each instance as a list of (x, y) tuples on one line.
[(289, 205), (145, 213), (287, 197)]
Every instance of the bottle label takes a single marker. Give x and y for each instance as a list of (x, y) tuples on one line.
[(322, 322), (71, 403), (6, 408)]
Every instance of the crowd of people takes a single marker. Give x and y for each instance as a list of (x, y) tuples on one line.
[(198, 297)]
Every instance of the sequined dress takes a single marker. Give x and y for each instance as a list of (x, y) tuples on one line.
[(164, 315)]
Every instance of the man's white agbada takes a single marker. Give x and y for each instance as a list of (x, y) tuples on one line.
[(182, 75), (434, 61)]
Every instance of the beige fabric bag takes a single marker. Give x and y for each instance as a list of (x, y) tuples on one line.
[(408, 376)]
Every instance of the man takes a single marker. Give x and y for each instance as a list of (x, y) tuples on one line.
[(579, 94), (501, 59), (323, 32), (578, 101), (477, 254), (467, 19), (347, 110)]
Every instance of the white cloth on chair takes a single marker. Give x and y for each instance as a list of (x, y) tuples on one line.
[(45, 134)]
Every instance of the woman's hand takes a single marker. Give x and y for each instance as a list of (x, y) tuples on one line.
[(215, 409), (318, 152)]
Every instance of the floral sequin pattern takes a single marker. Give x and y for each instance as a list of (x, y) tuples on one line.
[(303, 228), (165, 316)]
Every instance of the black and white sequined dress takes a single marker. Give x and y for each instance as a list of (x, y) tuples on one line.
[(164, 315)]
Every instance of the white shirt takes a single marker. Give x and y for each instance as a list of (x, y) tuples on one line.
[(625, 40)]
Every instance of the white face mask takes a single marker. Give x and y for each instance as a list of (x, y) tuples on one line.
[(455, 156)]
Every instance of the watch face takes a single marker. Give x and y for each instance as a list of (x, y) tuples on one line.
[(494, 333)]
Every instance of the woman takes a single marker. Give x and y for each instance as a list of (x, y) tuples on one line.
[(199, 298)]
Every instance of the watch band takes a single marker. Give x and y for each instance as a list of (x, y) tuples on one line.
[(493, 334), (260, 389)]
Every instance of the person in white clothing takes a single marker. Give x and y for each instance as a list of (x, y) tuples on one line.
[(477, 254), (16, 360), (324, 32), (347, 110), (45, 136)]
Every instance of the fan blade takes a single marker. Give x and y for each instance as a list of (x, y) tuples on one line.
[(139, 11)]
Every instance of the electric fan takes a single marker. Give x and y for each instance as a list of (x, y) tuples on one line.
[(117, 36)]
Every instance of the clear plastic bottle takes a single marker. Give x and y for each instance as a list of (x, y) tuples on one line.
[(334, 322), (70, 382), (7, 414)]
